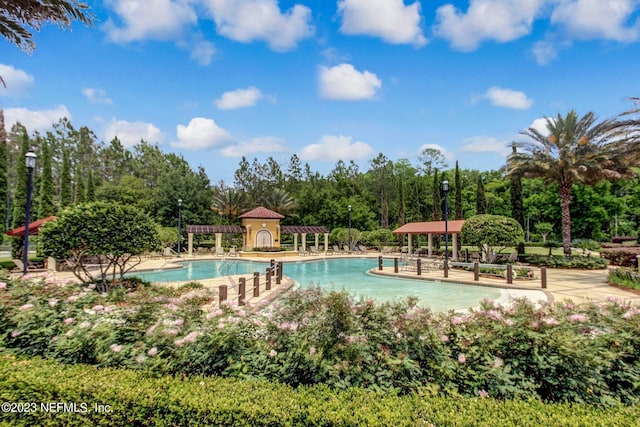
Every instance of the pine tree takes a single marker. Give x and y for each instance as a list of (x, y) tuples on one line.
[(19, 210), (66, 192), (91, 187), (481, 200), (458, 194), (46, 204), (517, 210), (3, 173), (81, 194)]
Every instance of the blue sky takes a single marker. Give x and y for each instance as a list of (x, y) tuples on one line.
[(214, 80)]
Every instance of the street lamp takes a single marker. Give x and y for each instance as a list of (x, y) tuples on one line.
[(30, 159), (349, 227), (179, 224), (445, 189)]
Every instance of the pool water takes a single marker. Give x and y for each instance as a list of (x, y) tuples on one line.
[(350, 274)]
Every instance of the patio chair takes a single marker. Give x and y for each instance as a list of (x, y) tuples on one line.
[(347, 249), (336, 249), (219, 251), (233, 251), (363, 249), (314, 250), (31, 266)]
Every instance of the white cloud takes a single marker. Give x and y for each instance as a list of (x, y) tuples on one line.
[(344, 82), (544, 52), (17, 81), (499, 20), (540, 125), (390, 20), (239, 98), (149, 19), (131, 133), (332, 148), (202, 52), (265, 144), (593, 19), (41, 120), (485, 144), (96, 96), (508, 98), (249, 20), (201, 133)]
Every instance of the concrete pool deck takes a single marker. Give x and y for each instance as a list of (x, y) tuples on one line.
[(562, 284)]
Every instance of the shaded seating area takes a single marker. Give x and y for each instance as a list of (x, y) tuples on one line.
[(431, 228)]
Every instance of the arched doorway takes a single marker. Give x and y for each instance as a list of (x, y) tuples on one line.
[(264, 239)]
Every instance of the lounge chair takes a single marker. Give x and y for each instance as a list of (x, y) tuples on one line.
[(336, 249), (314, 250), (363, 249), (219, 251), (31, 266), (347, 249), (303, 251), (233, 252)]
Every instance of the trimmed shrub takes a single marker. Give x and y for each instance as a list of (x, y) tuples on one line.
[(558, 261), (120, 397)]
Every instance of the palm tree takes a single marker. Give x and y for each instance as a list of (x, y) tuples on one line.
[(279, 200), (229, 203), (577, 150)]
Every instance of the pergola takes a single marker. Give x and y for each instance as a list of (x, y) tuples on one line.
[(430, 228)]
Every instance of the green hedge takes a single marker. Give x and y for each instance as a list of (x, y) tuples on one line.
[(136, 399), (553, 261)]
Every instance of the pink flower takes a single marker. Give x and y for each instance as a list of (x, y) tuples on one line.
[(53, 302), (3, 285), (26, 307), (550, 321), (72, 298), (458, 320), (152, 351), (85, 325), (632, 312), (98, 307), (462, 358), (444, 338), (578, 318), (214, 314), (483, 394), (273, 353), (68, 321), (191, 337), (350, 339), (115, 348), (312, 351)]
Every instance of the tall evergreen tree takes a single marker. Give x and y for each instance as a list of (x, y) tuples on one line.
[(4, 193), (46, 204), (458, 194), (66, 190), (81, 193), (437, 200), (19, 210), (517, 210), (91, 187), (481, 199)]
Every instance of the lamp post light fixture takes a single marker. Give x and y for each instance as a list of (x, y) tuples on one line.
[(349, 227), (179, 224), (445, 189), (30, 159)]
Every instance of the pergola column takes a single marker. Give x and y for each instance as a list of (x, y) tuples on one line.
[(410, 243), (304, 241), (430, 244), (190, 243), (317, 241), (326, 242), (454, 243), (295, 242), (218, 241)]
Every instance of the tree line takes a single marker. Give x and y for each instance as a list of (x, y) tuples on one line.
[(75, 167)]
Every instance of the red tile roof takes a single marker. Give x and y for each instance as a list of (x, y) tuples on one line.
[(430, 227), (33, 227), (262, 213)]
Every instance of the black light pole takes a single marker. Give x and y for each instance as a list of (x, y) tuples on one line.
[(349, 227), (445, 189), (30, 159), (179, 224)]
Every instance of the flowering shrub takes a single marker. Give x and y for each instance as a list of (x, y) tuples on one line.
[(563, 352)]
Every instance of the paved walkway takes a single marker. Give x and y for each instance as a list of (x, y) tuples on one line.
[(575, 285)]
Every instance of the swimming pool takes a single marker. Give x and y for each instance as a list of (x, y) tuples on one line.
[(350, 274)]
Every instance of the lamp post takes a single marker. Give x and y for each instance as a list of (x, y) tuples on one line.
[(179, 224), (30, 159), (445, 189), (349, 227)]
